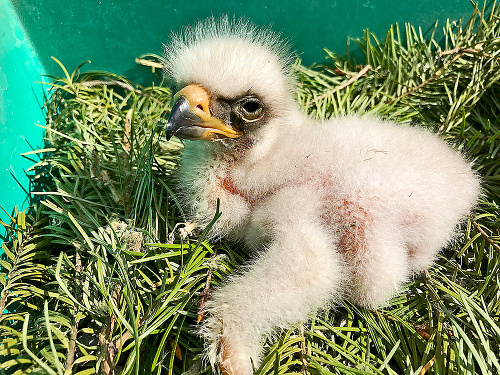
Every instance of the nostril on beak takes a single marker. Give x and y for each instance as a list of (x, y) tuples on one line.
[(200, 107)]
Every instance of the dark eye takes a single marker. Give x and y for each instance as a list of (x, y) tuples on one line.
[(250, 108)]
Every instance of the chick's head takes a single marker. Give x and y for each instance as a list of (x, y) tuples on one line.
[(230, 77)]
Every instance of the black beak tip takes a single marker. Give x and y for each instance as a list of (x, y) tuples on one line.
[(181, 118), (168, 131)]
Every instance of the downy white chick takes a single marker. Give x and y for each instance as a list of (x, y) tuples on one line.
[(347, 208)]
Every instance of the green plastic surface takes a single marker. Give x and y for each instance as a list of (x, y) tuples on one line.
[(20, 68), (113, 33)]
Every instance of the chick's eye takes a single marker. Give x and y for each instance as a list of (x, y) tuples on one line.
[(250, 109)]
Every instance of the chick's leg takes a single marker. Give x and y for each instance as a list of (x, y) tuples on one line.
[(299, 273), (378, 264)]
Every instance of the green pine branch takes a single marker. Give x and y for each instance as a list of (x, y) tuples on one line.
[(96, 277)]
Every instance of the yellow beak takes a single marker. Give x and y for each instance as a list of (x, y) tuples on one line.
[(190, 117)]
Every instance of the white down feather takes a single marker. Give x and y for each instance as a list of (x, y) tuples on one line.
[(346, 208)]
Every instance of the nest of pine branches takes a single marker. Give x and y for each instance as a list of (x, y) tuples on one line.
[(97, 276)]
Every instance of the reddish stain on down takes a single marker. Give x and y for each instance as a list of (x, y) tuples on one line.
[(352, 218), (227, 184), (347, 214)]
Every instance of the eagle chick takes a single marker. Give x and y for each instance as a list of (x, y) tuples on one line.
[(346, 208)]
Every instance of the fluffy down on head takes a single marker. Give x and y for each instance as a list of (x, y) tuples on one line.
[(346, 208)]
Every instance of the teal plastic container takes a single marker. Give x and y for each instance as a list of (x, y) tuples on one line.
[(20, 100), (113, 33)]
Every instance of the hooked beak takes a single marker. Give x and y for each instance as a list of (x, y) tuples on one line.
[(190, 117)]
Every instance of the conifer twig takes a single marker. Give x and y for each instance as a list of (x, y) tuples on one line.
[(149, 63), (427, 81), (343, 85), (303, 350), (70, 358), (485, 235), (123, 85), (459, 53)]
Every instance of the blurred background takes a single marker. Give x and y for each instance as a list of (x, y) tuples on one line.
[(111, 34)]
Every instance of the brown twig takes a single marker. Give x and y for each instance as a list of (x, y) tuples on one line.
[(343, 85), (119, 343), (485, 235), (108, 347), (204, 297), (98, 82), (6, 291), (421, 329), (460, 51), (123, 85), (150, 63), (303, 351), (427, 366), (430, 79), (463, 50), (3, 301), (70, 357), (126, 134)]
